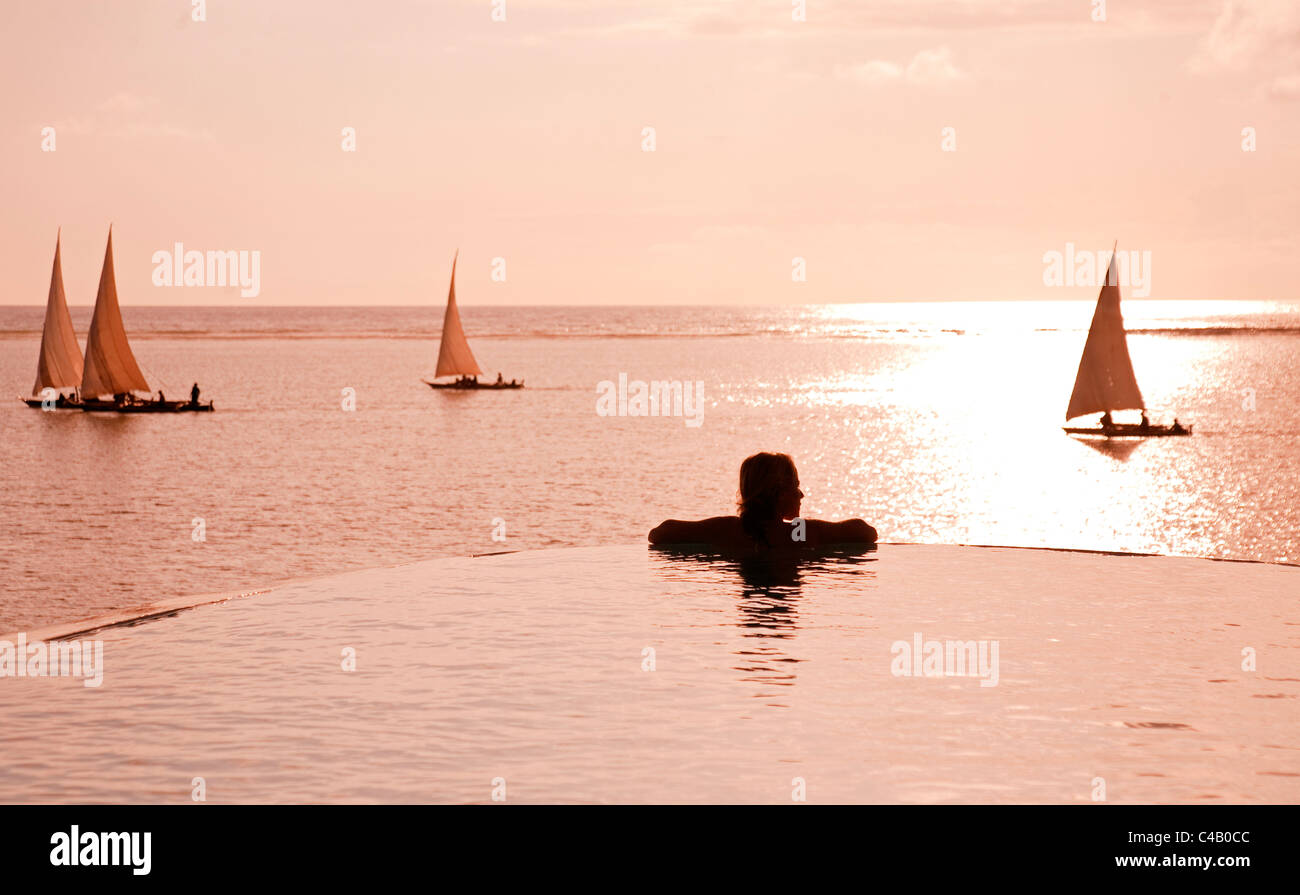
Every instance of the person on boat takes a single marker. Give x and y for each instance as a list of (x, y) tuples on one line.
[(194, 394), (1106, 421), (1146, 423), (768, 501), (161, 398), (499, 379), (1177, 426)]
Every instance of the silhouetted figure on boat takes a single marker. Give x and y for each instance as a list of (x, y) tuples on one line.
[(469, 382), (194, 394), (1178, 428), (768, 518), (1146, 423), (161, 398)]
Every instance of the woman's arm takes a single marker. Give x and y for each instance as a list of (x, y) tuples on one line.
[(675, 531), (723, 529), (850, 531)]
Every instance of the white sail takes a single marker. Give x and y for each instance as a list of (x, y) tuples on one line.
[(110, 366), (454, 356), (1105, 380), (59, 364)]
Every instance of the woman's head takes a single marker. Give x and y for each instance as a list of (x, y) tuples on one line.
[(769, 488)]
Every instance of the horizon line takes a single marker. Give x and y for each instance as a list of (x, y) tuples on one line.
[(879, 301)]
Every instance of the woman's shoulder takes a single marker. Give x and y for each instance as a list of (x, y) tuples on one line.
[(711, 530), (729, 531), (850, 531)]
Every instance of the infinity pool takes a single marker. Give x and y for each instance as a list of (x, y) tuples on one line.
[(623, 674)]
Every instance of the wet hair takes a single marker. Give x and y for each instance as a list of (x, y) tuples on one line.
[(764, 477)]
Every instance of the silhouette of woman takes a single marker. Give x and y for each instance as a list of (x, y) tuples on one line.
[(768, 499)]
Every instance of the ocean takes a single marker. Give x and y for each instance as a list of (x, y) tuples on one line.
[(937, 422)]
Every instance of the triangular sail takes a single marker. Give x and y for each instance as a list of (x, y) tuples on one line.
[(1105, 380), (454, 356), (110, 366), (59, 364)]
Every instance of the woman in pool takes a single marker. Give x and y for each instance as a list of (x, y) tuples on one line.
[(769, 498)]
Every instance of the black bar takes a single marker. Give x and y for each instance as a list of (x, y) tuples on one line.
[(658, 844)]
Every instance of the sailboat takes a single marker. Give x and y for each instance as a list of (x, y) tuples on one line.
[(454, 355), (58, 367), (1105, 381), (110, 367)]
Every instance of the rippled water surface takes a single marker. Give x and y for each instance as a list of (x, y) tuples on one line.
[(938, 423), (623, 674)]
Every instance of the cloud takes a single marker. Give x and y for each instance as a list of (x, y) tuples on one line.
[(1259, 38), (126, 102), (934, 68), (929, 68), (773, 19), (1286, 87), (727, 231), (873, 73), (128, 116)]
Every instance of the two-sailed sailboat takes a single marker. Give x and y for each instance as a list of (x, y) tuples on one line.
[(454, 356), (1105, 381), (58, 368), (110, 367)]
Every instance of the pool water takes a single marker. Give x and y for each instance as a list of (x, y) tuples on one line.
[(628, 674)]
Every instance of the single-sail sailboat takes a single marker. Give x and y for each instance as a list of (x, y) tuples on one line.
[(454, 356), (58, 368), (1105, 381), (110, 367)]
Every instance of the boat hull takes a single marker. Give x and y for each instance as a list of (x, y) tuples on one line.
[(94, 406), (1131, 431), (61, 403), (473, 386)]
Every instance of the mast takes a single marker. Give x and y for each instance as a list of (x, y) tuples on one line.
[(59, 364), (110, 366), (454, 356), (1105, 380)]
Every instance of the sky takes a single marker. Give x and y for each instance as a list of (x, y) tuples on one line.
[(516, 130)]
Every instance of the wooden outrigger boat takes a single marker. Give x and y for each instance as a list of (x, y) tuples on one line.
[(61, 402), (110, 367), (454, 355), (133, 404), (473, 383), (1136, 430), (58, 367), (1105, 381)]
